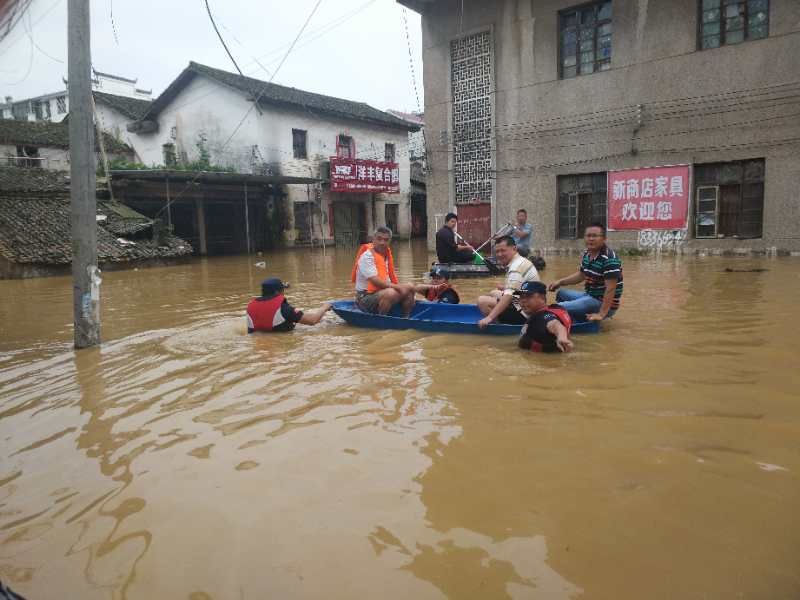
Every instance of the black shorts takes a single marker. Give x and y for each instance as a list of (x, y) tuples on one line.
[(511, 316)]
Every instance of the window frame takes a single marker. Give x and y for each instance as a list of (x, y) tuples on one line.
[(61, 105), (575, 195), (697, 212), (351, 146), (720, 181), (295, 134), (723, 31), (390, 157), (598, 23)]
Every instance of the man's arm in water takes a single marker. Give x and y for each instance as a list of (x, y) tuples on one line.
[(557, 328), (312, 317)]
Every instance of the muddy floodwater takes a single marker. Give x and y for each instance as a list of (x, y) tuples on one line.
[(188, 460)]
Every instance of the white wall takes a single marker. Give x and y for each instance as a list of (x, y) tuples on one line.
[(115, 123), (208, 108), (56, 159)]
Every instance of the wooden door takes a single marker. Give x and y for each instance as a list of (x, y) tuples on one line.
[(475, 222)]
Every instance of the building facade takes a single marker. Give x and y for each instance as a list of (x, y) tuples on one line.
[(533, 103), (209, 112), (117, 102)]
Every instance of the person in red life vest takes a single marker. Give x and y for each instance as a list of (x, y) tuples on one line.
[(439, 289), (547, 329), (272, 312), (377, 288)]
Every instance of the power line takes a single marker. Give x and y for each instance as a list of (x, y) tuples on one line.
[(30, 34), (310, 37), (113, 23), (30, 56), (222, 41), (257, 99)]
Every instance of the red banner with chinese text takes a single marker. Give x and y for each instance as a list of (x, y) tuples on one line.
[(649, 198), (364, 176)]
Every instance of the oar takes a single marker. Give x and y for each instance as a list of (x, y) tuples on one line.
[(494, 235), (493, 269)]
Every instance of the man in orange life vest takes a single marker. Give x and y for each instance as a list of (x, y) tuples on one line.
[(547, 328), (377, 288), (272, 312)]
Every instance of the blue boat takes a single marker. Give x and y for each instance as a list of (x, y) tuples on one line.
[(436, 317)]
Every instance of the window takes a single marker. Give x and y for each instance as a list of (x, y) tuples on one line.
[(38, 110), (170, 158), (299, 137), (585, 39), (61, 104), (732, 21), (729, 199), (345, 147), (389, 153), (581, 201), (28, 156)]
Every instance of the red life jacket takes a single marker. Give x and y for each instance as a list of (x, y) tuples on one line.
[(265, 315), (433, 294), (559, 313)]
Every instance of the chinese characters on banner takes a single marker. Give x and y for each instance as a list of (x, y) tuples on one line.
[(650, 198), (366, 176)]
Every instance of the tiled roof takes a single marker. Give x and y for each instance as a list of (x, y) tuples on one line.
[(274, 94), (54, 135), (16, 179), (132, 108), (36, 230)]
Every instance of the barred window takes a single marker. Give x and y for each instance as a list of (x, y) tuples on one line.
[(581, 202), (389, 153), (299, 143), (61, 104), (729, 199), (732, 21), (345, 147), (585, 39)]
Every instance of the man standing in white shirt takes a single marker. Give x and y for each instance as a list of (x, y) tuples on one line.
[(502, 305)]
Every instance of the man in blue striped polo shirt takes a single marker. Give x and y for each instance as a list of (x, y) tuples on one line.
[(601, 273)]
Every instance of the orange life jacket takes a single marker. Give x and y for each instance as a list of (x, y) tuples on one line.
[(380, 263)]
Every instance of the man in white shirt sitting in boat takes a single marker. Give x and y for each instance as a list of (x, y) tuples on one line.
[(377, 288), (502, 305)]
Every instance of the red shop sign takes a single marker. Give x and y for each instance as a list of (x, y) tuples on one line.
[(365, 176), (650, 198)]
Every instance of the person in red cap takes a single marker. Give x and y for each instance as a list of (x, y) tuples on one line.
[(547, 328), (272, 312)]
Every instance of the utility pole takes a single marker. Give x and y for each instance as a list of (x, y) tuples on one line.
[(85, 275)]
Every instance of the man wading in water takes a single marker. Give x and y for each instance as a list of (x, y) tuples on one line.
[(601, 272), (501, 305), (547, 329), (377, 289), (272, 312)]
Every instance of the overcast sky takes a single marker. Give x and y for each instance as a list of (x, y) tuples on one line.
[(353, 49)]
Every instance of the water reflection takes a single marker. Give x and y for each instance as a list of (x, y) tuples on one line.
[(186, 459)]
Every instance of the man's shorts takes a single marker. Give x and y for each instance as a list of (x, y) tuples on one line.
[(367, 302), (511, 316)]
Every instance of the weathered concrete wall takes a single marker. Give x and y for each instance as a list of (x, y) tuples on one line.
[(207, 108), (547, 127), (56, 159)]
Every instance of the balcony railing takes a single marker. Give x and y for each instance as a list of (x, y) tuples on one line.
[(27, 162)]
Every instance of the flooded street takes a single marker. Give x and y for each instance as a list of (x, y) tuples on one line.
[(186, 459)]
